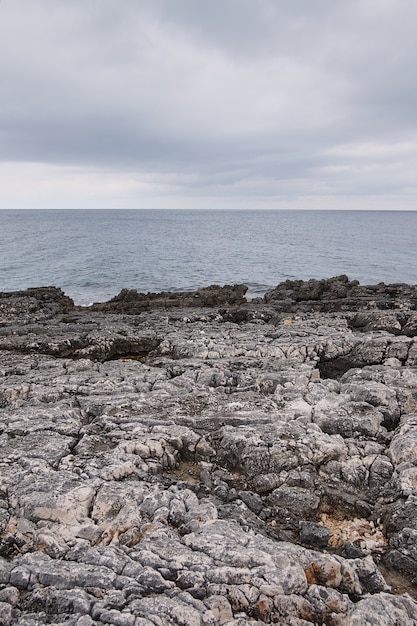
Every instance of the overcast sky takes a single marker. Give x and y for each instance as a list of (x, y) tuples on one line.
[(208, 104)]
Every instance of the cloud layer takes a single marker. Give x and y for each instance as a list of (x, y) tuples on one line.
[(154, 103)]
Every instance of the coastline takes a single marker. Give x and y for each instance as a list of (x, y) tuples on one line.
[(199, 458)]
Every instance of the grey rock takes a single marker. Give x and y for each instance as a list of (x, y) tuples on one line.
[(402, 554), (314, 535), (6, 614), (381, 610), (252, 500), (293, 502), (326, 601), (9, 595), (221, 609), (161, 455)]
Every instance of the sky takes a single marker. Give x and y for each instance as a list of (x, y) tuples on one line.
[(221, 104)]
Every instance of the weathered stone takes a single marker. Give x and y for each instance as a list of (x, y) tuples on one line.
[(221, 609), (314, 535), (402, 554), (161, 455), (380, 610)]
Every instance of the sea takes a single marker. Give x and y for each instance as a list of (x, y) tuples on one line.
[(93, 254)]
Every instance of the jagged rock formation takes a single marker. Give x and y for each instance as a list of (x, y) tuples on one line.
[(210, 462), (130, 301)]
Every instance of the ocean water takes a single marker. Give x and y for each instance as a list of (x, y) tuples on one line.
[(93, 254)]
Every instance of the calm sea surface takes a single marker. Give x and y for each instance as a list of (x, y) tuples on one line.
[(93, 254)]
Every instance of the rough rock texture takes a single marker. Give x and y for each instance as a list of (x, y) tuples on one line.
[(130, 301), (197, 459)]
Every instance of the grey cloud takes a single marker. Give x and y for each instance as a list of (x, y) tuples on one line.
[(220, 96)]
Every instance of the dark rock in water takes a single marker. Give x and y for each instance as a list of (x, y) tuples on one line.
[(335, 288), (201, 459), (38, 303), (341, 294), (132, 302)]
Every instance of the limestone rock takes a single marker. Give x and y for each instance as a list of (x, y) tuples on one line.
[(200, 459)]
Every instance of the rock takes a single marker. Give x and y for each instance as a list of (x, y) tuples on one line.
[(380, 610), (252, 500), (197, 458), (402, 554), (221, 609), (33, 304), (329, 289), (132, 302), (314, 535), (293, 502), (6, 613), (327, 601), (339, 293)]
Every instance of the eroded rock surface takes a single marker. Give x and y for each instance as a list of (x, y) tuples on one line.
[(197, 459)]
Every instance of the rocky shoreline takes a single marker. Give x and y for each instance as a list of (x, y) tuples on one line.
[(198, 459)]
